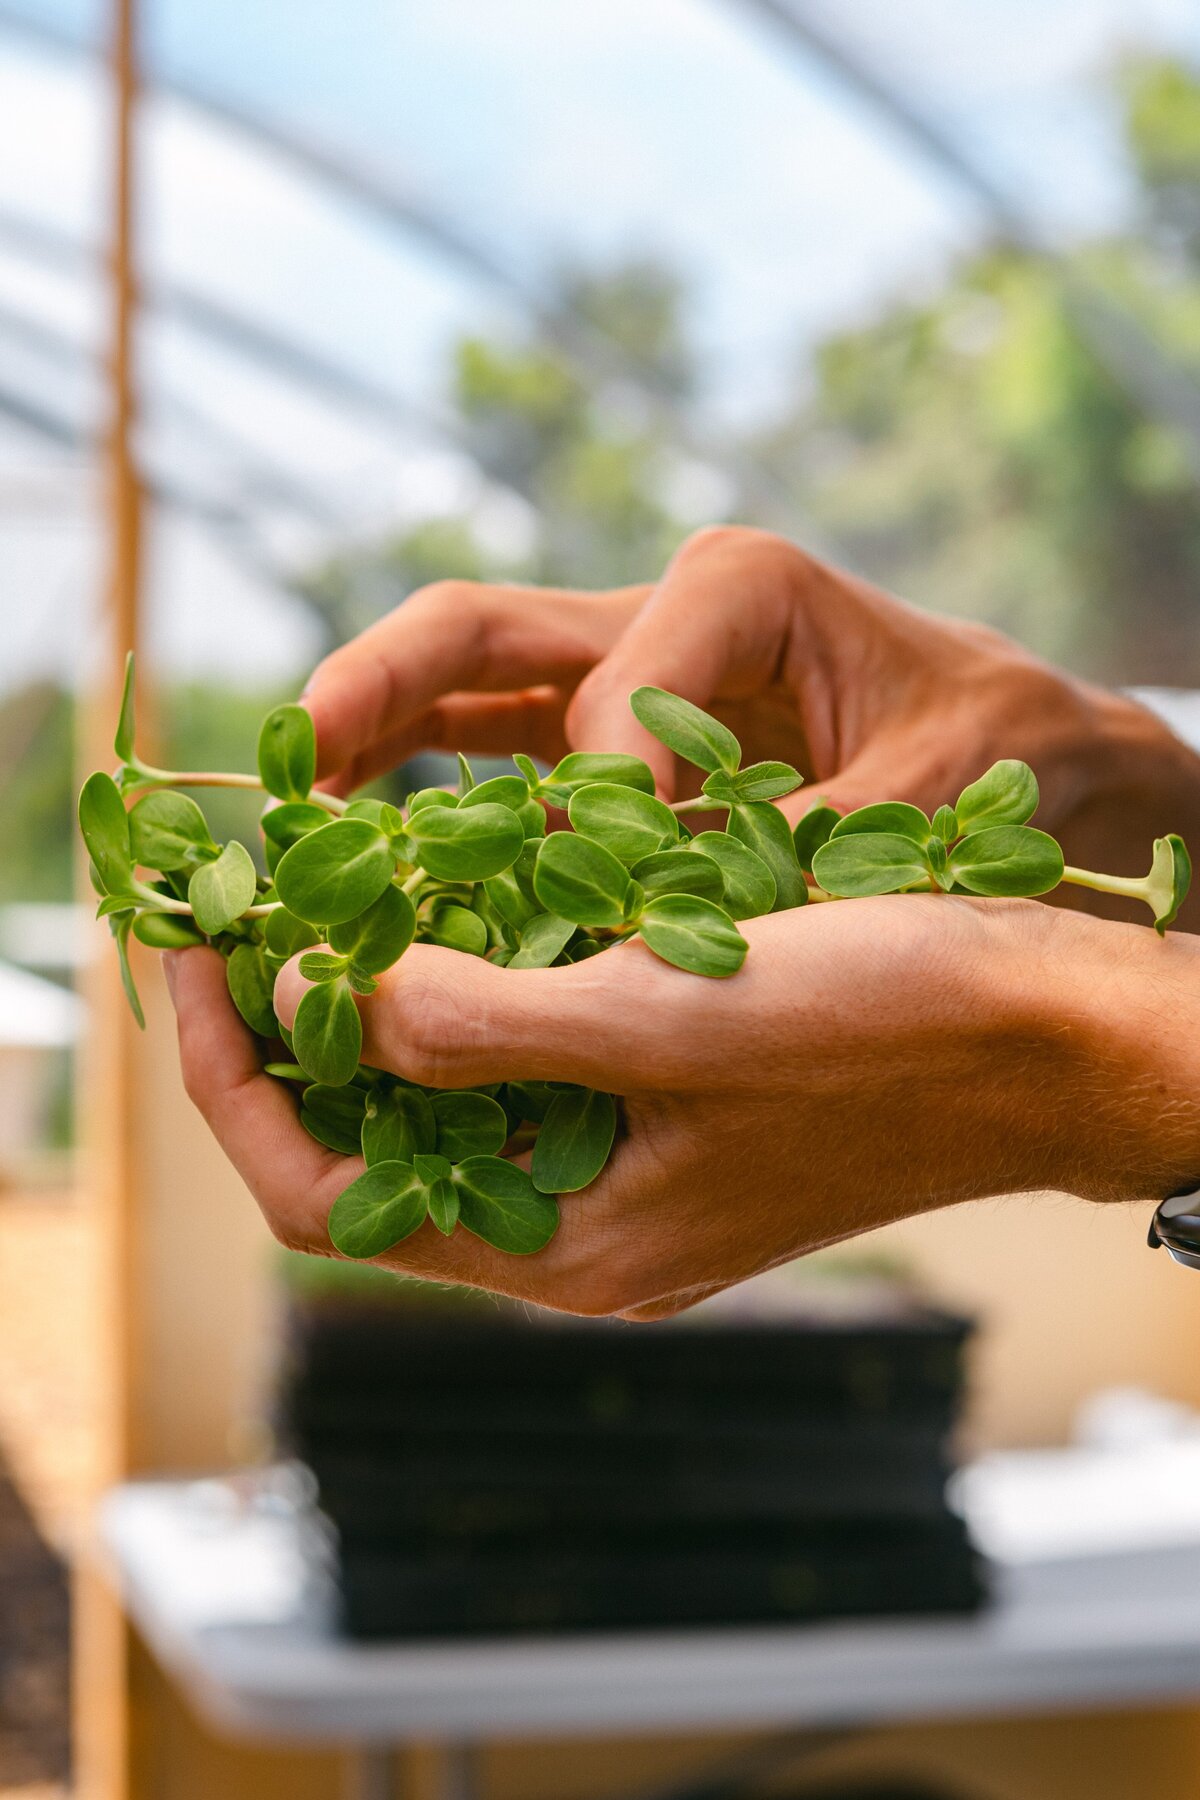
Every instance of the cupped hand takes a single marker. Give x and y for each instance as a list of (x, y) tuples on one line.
[(869, 697), (871, 1060)]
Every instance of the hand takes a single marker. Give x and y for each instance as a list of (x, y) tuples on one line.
[(870, 698), (871, 1060)]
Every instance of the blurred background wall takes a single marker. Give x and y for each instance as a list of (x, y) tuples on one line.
[(530, 292)]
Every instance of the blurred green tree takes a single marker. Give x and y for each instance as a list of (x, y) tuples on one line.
[(982, 452)]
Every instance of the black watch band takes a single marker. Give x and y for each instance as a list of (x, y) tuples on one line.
[(1176, 1227)]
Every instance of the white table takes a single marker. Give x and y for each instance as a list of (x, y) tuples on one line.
[(1097, 1604)]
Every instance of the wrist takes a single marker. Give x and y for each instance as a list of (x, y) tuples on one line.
[(1114, 1074)]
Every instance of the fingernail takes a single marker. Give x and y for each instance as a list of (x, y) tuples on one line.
[(169, 958)]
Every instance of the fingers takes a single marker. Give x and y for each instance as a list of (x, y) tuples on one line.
[(624, 1022), (530, 719), (714, 629), (293, 1178), (448, 1020), (451, 637)]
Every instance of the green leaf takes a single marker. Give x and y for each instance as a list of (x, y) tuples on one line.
[(287, 753), (533, 819), (360, 983), (320, 965), (287, 935), (123, 741), (767, 781), (580, 881), (334, 874), (811, 832), (219, 892), (761, 781), (543, 939), (382, 1208), (945, 824), (165, 931), (893, 818), (286, 1071), (443, 1206), (499, 1203), (574, 1141), (430, 797), (467, 843), (763, 829), (285, 825), (327, 1034), (252, 987), (581, 768), (432, 1167), (871, 863), (685, 729), (1006, 795), (748, 886), (105, 827), (466, 778), (120, 928), (378, 936), (468, 1124), (682, 871), (1169, 879), (627, 822), (529, 1099), (1007, 860), (529, 770), (508, 897), (169, 831), (399, 1124), (455, 928), (694, 935), (938, 858), (334, 1116), (116, 903), (501, 790)]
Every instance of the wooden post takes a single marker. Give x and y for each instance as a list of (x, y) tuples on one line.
[(100, 1637)]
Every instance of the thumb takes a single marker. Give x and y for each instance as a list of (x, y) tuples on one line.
[(447, 1020), (712, 626)]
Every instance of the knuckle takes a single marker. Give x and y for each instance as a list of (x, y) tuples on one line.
[(462, 599), (746, 542), (711, 540), (434, 1034)]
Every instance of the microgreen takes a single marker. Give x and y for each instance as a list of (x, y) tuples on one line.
[(574, 1142), (332, 875), (683, 728), (466, 843), (476, 872), (168, 831), (287, 753), (219, 892)]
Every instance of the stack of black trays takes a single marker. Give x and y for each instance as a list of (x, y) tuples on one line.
[(484, 1471)]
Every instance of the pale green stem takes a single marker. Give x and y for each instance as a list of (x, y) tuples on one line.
[(412, 882), (168, 903), (1132, 886), (158, 778), (816, 893), (702, 803)]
